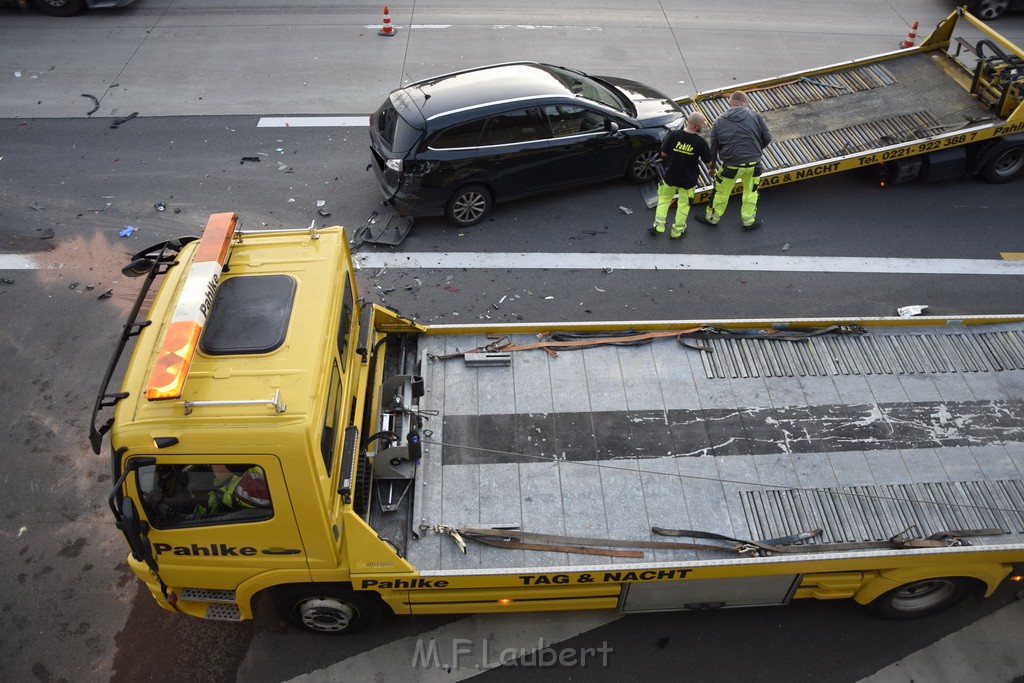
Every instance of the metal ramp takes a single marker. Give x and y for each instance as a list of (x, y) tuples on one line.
[(902, 354), (875, 513)]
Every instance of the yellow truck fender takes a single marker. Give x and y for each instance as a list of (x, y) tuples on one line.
[(247, 590), (990, 574)]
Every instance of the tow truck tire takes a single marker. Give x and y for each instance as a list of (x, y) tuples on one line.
[(1005, 164), (61, 8), (641, 166), (327, 608), (923, 598), (468, 206)]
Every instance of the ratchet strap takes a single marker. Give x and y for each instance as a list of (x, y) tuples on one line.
[(523, 540), (551, 341)]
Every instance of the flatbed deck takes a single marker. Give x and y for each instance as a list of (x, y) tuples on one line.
[(863, 436), (879, 109)]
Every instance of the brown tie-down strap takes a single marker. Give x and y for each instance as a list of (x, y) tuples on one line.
[(940, 539), (686, 337), (511, 538), (523, 540)]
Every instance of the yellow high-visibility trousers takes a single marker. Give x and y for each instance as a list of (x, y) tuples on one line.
[(725, 181)]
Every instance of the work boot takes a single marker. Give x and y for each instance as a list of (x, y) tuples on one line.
[(678, 232), (656, 229), (705, 220), (752, 226)]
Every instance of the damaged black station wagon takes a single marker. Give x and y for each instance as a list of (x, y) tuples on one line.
[(456, 144)]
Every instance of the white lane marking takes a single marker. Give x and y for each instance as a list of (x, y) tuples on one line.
[(17, 262), (468, 647), (313, 121), (798, 264), (987, 650)]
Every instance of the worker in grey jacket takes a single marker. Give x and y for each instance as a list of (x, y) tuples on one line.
[(737, 139)]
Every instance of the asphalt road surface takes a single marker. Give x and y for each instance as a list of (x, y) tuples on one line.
[(202, 75)]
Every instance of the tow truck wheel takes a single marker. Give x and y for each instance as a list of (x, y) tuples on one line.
[(1005, 165), (641, 167), (468, 206), (923, 598), (330, 609)]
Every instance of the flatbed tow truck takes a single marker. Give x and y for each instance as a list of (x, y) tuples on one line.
[(631, 466), (952, 105)]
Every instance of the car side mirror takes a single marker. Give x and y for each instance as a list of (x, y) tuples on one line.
[(613, 130)]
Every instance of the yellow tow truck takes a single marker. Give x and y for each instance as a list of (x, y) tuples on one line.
[(275, 433), (950, 106)]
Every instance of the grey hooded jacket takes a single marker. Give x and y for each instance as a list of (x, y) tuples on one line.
[(738, 136)]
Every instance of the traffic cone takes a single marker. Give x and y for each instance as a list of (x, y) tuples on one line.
[(387, 29), (907, 42)]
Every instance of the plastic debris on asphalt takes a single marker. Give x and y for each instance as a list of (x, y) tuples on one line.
[(911, 311), (626, 210), (128, 230)]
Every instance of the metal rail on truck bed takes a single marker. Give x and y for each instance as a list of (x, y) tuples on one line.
[(913, 430)]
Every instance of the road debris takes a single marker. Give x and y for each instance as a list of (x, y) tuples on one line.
[(245, 159), (46, 233), (785, 247), (626, 210), (106, 295), (911, 311), (160, 206), (6, 281), (95, 101), (124, 119), (128, 230)]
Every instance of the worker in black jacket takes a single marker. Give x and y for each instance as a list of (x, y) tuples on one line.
[(681, 153), (737, 140)]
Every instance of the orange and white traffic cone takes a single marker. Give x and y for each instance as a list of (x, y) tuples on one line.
[(909, 40), (387, 29)]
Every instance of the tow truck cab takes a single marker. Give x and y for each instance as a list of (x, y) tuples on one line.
[(236, 430)]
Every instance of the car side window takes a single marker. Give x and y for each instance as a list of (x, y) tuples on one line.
[(194, 495), (572, 120), (460, 135), (522, 125)]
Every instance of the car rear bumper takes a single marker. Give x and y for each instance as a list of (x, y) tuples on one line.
[(404, 192)]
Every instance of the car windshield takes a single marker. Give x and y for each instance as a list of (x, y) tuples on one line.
[(591, 89)]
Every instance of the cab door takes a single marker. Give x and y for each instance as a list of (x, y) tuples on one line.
[(216, 521)]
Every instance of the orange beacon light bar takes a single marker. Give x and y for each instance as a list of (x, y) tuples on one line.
[(167, 378)]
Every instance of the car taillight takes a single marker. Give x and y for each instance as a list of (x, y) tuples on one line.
[(394, 165)]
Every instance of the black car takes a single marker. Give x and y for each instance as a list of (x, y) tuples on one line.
[(67, 8), (456, 144)]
